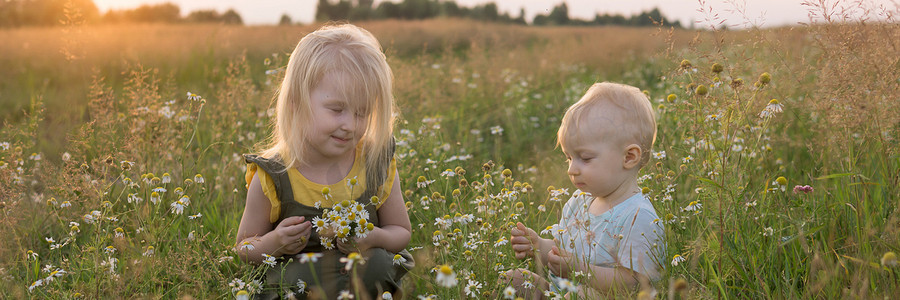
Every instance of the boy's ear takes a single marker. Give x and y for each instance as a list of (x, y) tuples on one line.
[(633, 154)]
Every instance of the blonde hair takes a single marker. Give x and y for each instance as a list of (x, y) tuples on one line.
[(356, 55), (630, 118)]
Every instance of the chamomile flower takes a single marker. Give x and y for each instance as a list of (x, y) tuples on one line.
[(132, 198), (694, 206), (269, 260), (473, 288), (199, 179), (509, 293), (497, 130), (889, 259), (423, 182), (197, 216), (345, 295), (352, 259), (445, 276), (399, 259), (567, 285), (36, 283), (771, 109), (301, 286), (310, 257), (242, 295), (193, 97), (659, 155), (548, 230), (326, 192), (247, 246), (185, 200), (677, 259), (178, 207)]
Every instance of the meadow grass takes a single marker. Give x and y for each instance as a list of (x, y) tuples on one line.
[(95, 214)]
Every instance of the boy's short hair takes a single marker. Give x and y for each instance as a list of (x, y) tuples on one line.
[(633, 122)]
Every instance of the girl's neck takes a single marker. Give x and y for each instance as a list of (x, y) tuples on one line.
[(328, 171)]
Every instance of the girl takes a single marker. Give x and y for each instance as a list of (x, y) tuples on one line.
[(332, 142)]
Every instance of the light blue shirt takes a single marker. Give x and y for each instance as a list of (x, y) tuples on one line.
[(629, 235)]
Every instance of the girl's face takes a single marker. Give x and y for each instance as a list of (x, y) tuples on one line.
[(337, 123)]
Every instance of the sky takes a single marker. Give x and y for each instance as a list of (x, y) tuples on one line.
[(736, 13)]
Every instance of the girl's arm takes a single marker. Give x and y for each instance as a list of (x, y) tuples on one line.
[(257, 236), (395, 231)]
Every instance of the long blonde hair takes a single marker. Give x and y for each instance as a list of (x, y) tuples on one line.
[(357, 55)]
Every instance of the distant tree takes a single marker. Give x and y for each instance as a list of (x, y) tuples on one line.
[(285, 20), (166, 12), (559, 15), (204, 16), (486, 12), (388, 10), (540, 20), (521, 18), (45, 12), (451, 9), (231, 17), (339, 11)]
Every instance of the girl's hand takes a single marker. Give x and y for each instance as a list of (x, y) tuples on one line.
[(353, 245), (559, 262), (292, 234), (523, 241)]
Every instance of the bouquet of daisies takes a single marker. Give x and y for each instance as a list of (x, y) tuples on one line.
[(342, 221)]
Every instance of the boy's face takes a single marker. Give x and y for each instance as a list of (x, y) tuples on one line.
[(596, 162)]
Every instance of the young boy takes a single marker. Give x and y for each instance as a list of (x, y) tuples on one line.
[(607, 231)]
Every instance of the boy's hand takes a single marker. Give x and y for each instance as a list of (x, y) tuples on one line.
[(523, 241), (559, 262), (292, 234)]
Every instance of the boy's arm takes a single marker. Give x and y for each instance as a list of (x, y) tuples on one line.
[(257, 236), (598, 278), (395, 230)]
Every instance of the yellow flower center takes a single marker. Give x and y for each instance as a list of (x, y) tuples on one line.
[(446, 270), (781, 180)]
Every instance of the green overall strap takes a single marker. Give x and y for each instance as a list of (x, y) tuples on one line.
[(275, 168)]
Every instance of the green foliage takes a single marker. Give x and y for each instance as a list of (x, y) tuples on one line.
[(146, 198)]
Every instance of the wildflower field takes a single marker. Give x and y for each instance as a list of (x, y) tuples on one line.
[(775, 170)]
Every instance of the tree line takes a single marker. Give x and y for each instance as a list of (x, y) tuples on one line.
[(354, 10), (55, 12)]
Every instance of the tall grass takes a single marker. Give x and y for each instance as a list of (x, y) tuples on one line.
[(476, 99)]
